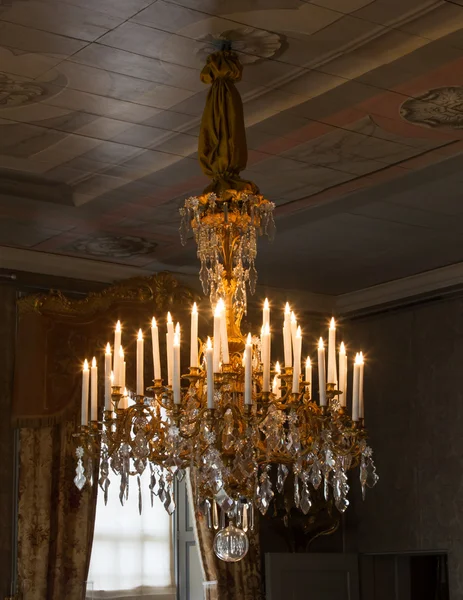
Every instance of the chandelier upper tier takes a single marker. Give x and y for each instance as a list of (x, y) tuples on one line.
[(244, 425)]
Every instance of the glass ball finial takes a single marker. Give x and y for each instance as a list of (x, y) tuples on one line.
[(231, 544)]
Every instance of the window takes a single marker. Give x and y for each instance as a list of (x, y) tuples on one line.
[(132, 554)]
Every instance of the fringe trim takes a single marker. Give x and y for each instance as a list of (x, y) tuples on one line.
[(39, 422)]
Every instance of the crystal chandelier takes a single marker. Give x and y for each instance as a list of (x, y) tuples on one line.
[(239, 422)]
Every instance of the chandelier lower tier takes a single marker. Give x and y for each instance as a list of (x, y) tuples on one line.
[(232, 419), (246, 428)]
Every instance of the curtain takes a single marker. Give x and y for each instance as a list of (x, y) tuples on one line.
[(227, 581), (55, 526)]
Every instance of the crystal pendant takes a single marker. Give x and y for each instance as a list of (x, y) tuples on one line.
[(264, 493), (297, 494), (224, 501), (282, 474), (231, 544), (315, 476), (208, 513), (305, 503), (80, 478)]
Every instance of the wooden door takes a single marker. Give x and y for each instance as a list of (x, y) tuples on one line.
[(312, 576)]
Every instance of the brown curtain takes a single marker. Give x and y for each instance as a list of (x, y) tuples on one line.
[(227, 581), (56, 521)]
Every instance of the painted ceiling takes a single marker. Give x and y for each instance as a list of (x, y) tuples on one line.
[(354, 114)]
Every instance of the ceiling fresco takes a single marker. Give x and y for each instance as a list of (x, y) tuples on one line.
[(100, 105)]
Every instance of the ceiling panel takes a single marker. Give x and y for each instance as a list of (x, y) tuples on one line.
[(352, 110)]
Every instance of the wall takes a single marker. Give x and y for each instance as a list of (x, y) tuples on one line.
[(414, 414), (7, 514)]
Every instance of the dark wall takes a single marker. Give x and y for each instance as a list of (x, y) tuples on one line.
[(414, 414), (7, 501)]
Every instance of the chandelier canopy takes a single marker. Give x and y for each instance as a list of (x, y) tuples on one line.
[(241, 423)]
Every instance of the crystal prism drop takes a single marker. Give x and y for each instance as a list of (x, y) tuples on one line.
[(264, 493), (252, 279), (251, 516), (315, 477), (372, 477), (208, 513), (297, 496), (270, 229), (282, 474), (215, 515), (224, 501), (326, 489), (305, 502), (80, 478), (244, 519)]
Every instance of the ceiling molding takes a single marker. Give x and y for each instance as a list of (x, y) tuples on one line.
[(397, 291), (394, 292), (19, 259)]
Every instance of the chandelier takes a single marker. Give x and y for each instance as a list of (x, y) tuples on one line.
[(247, 428)]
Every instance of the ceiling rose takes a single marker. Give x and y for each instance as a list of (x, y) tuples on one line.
[(440, 107), (253, 45), (115, 246)]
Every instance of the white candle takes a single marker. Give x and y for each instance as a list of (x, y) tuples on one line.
[(107, 377), (156, 353), (343, 374), (140, 364), (194, 337), (308, 375), (124, 401), (361, 401), (355, 389), (297, 348), (332, 375), (293, 324), (265, 344), (210, 373), (321, 372), (170, 347), (85, 382), (266, 314), (122, 367), (117, 345), (176, 368), (275, 386), (248, 371), (287, 337), (111, 379), (223, 333), (217, 328), (94, 391), (277, 379)]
